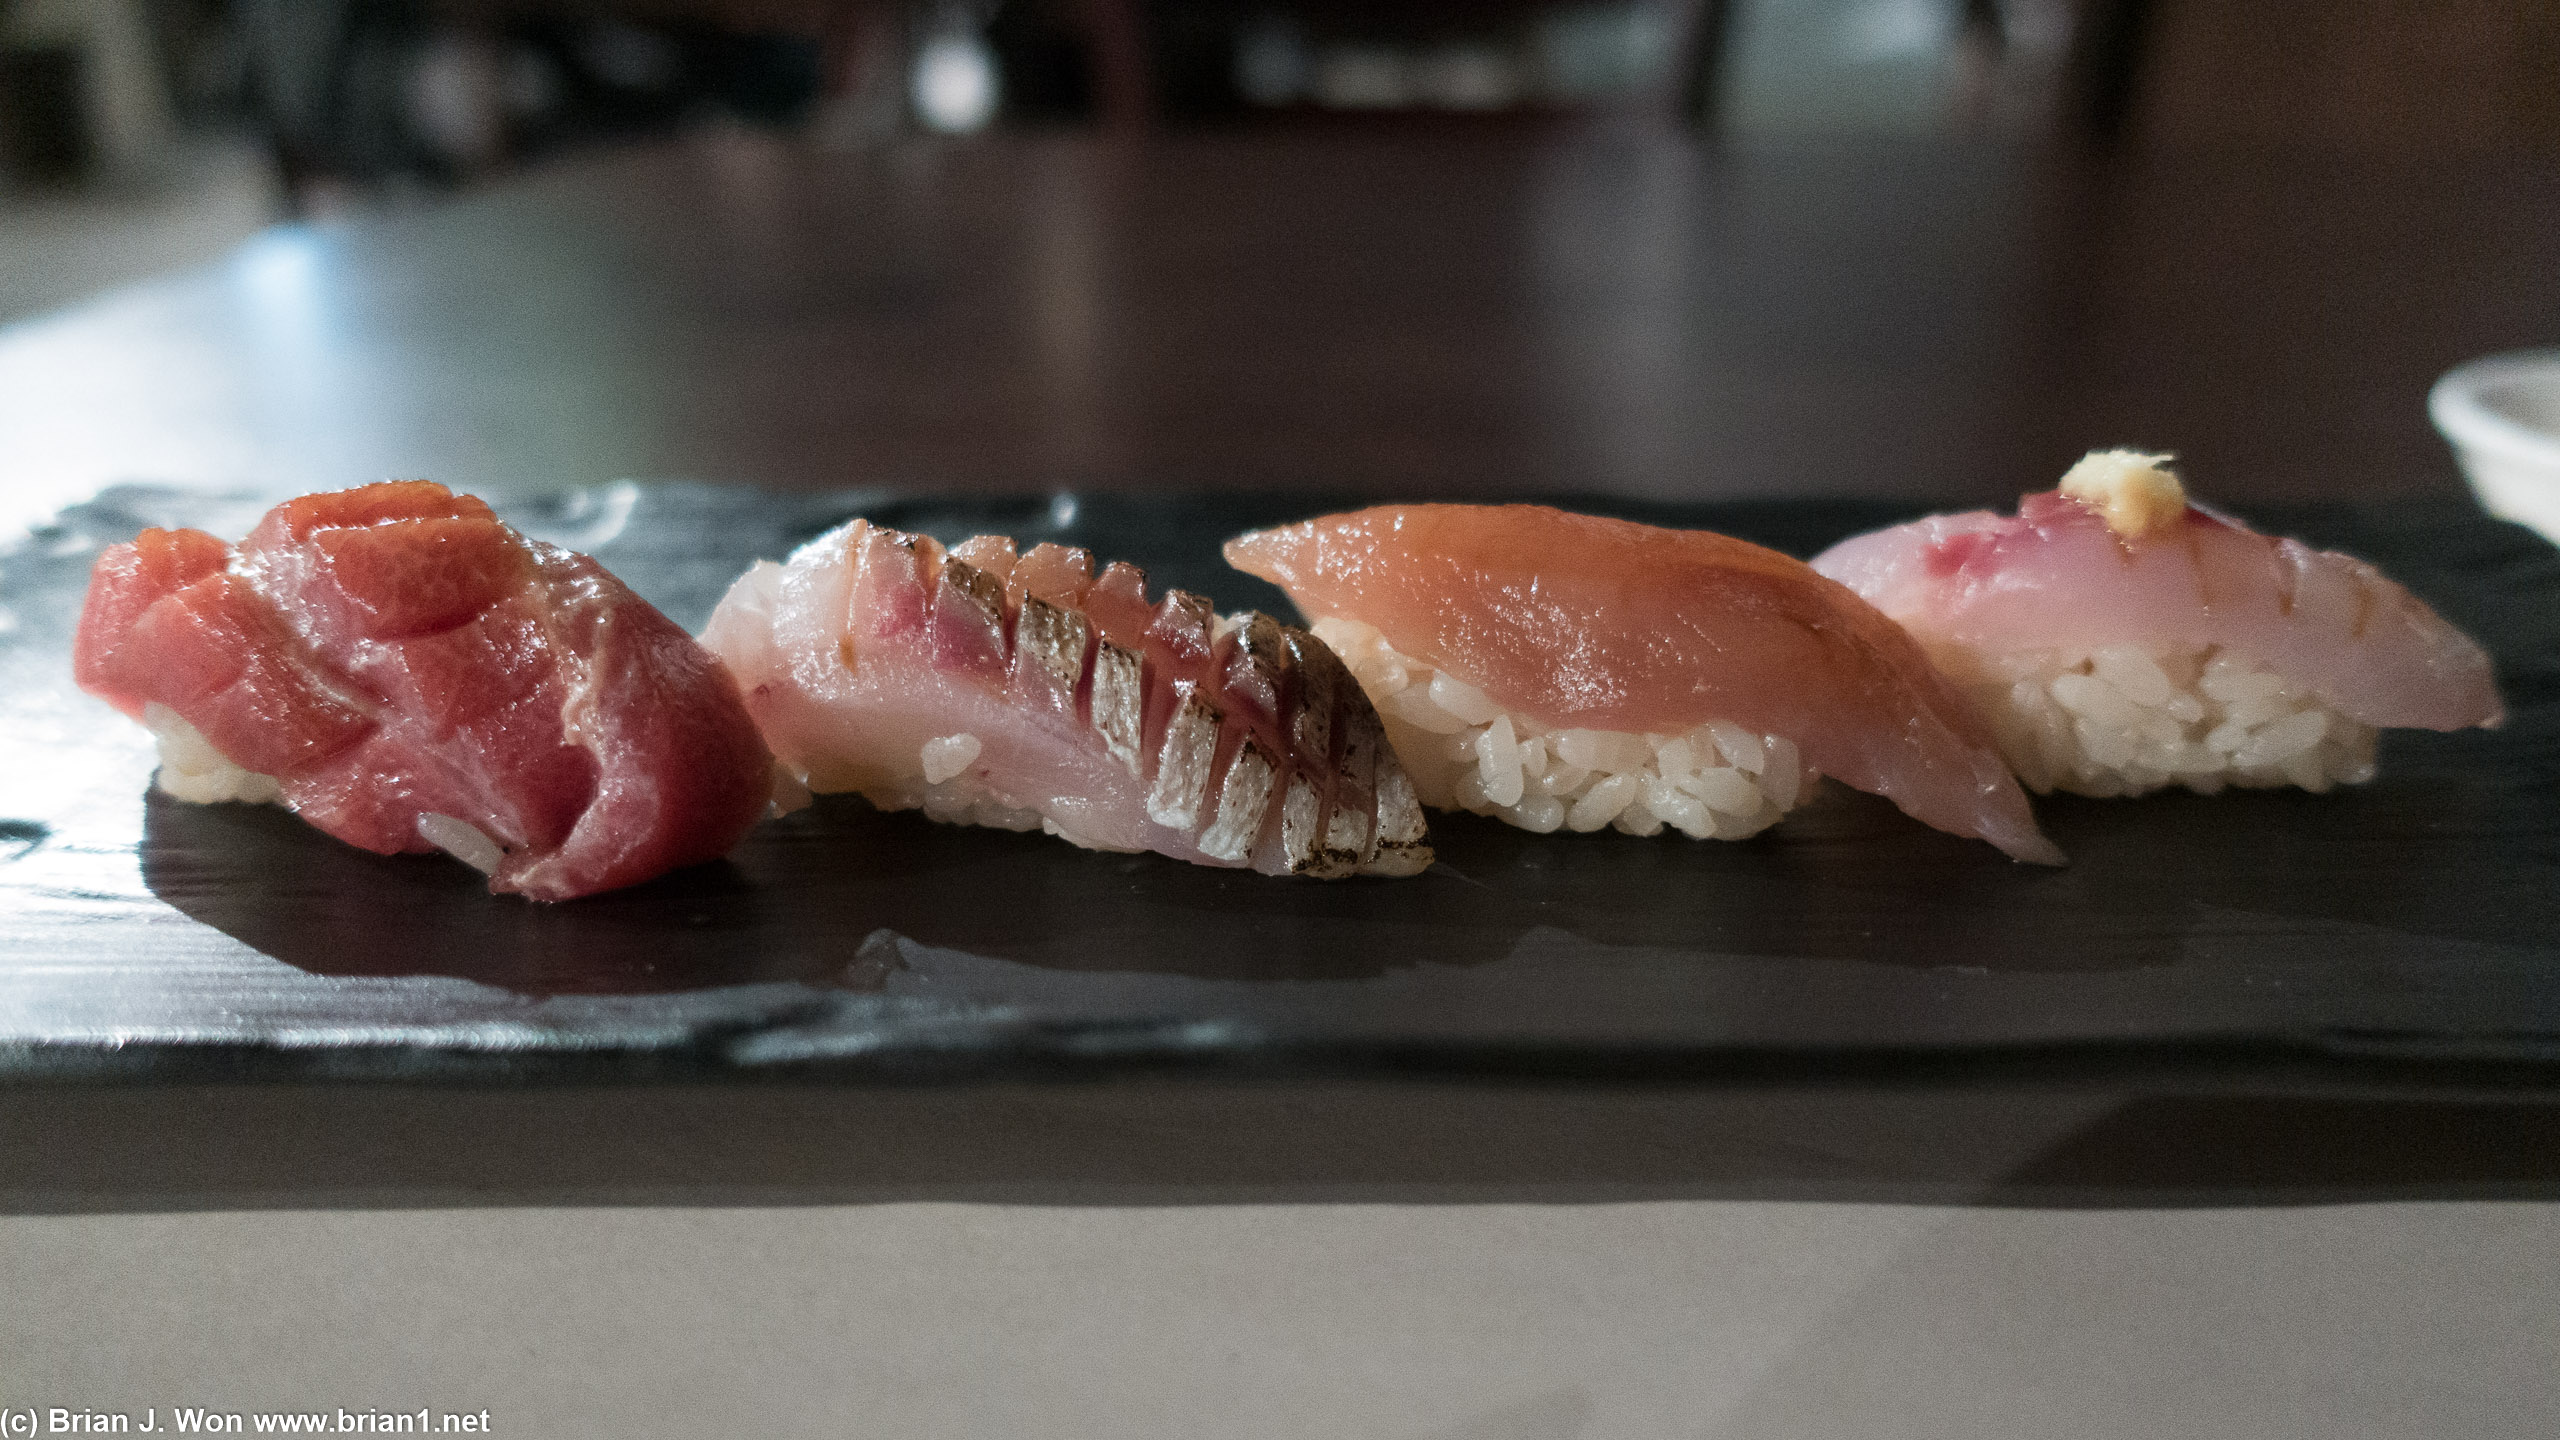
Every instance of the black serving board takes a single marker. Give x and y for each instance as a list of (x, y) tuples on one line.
[(2402, 936)]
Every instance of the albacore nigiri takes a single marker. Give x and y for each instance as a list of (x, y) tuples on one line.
[(2123, 640), (1569, 671), (1028, 692), (408, 674)]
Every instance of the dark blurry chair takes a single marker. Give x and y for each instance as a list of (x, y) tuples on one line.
[(1695, 61), (336, 80), (323, 88), (44, 137), (1430, 62), (2100, 78), (369, 90)]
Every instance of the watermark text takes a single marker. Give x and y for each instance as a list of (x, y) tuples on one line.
[(26, 1420)]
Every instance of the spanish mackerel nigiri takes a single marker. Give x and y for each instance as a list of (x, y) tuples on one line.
[(1027, 692), (407, 674), (2122, 640), (1565, 670)]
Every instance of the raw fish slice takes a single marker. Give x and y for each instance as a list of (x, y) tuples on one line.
[(408, 674), (1601, 634), (2123, 639), (1029, 692)]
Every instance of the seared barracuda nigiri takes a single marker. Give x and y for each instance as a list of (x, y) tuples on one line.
[(1028, 692), (406, 673), (2122, 640), (1564, 670)]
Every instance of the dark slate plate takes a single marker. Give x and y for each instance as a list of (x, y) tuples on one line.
[(2403, 936)]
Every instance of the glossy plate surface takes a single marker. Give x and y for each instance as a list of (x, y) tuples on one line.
[(2404, 935)]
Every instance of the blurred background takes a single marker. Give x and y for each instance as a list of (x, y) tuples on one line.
[(139, 135), (1677, 248)]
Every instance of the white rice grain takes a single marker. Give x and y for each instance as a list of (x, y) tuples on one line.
[(948, 755), (2122, 721), (1542, 813), (1498, 761), (1725, 790), (462, 840), (1741, 746), (193, 771), (2132, 674), (1463, 751), (1601, 803), (1463, 700)]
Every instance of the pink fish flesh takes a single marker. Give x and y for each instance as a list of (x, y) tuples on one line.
[(406, 670), (2056, 576), (986, 688), (1586, 621)]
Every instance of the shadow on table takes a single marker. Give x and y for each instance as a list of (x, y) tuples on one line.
[(797, 902), (1848, 878), (71, 1148), (799, 899)]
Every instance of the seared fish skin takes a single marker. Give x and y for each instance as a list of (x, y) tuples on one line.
[(1027, 691), (407, 674), (1581, 621)]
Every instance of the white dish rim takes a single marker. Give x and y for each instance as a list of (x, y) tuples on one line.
[(2454, 404)]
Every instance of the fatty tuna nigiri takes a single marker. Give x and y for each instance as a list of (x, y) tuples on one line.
[(2122, 640), (408, 674), (1027, 692), (1568, 671)]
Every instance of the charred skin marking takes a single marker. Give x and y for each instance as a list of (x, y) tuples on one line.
[(1400, 825), (1345, 846), (1182, 765), (1319, 695), (1342, 806), (1332, 710), (1119, 701), (1242, 802), (1256, 668), (1301, 824), (1049, 651), (1360, 768)]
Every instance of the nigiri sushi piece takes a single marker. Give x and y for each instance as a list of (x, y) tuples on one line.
[(1568, 671), (1027, 692), (408, 674), (2122, 639)]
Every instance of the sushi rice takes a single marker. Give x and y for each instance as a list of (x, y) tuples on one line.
[(943, 784), (2123, 721), (947, 789), (1465, 752), (193, 771), (951, 792)]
